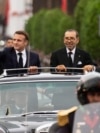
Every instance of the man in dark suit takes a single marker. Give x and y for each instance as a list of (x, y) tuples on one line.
[(19, 56), (70, 55)]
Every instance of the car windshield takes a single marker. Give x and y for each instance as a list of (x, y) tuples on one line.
[(23, 97)]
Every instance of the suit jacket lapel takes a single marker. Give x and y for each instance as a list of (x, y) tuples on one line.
[(27, 59), (14, 58), (65, 57)]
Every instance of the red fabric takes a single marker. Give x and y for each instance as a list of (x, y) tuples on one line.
[(6, 11), (64, 5)]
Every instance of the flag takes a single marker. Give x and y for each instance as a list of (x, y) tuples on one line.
[(64, 5), (6, 11)]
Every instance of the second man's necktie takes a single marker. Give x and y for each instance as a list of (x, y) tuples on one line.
[(70, 59)]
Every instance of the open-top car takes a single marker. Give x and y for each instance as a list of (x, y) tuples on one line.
[(30, 103)]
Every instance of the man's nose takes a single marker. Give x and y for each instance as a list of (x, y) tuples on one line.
[(15, 41), (69, 40)]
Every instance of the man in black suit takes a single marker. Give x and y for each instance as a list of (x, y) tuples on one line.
[(70, 55), (19, 56)]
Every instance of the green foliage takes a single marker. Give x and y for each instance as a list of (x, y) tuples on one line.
[(86, 22), (46, 28), (79, 13), (34, 28), (65, 23), (50, 29), (89, 28)]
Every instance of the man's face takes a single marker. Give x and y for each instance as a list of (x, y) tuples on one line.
[(93, 97), (9, 43), (70, 39), (19, 42)]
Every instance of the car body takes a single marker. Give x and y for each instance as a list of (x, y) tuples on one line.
[(30, 103)]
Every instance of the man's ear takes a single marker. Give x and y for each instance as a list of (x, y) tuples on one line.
[(78, 40), (26, 43)]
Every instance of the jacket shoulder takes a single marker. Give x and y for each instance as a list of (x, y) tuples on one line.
[(32, 54), (81, 51), (63, 116), (59, 50)]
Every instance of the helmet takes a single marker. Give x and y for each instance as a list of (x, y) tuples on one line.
[(88, 83)]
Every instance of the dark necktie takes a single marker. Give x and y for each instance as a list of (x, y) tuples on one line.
[(70, 59), (20, 60)]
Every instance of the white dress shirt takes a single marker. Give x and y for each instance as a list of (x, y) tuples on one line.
[(73, 53)]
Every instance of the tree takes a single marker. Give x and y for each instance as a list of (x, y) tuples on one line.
[(79, 15), (65, 23), (34, 29), (89, 29), (46, 28), (51, 30), (86, 22)]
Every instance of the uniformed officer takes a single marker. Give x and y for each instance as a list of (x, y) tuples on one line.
[(88, 91)]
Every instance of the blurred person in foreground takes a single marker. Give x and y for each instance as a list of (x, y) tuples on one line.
[(88, 94), (70, 55), (19, 56)]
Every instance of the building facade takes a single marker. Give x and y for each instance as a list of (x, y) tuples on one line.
[(13, 13), (66, 5)]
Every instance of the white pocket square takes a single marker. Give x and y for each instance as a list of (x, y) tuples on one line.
[(79, 63)]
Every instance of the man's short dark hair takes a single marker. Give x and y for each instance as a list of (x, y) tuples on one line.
[(77, 34), (6, 38), (23, 33)]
